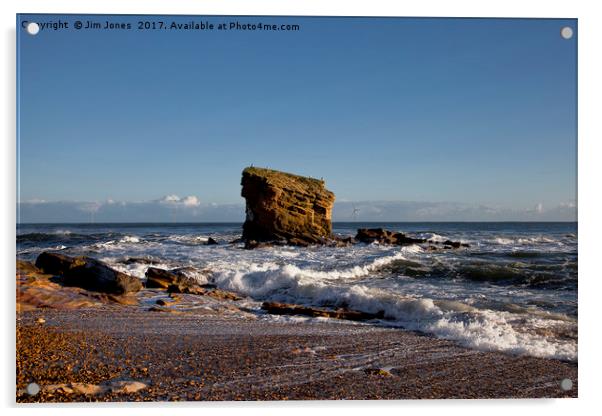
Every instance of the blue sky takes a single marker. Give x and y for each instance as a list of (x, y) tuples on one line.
[(477, 113)]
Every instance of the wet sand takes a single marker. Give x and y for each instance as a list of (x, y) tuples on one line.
[(217, 353)]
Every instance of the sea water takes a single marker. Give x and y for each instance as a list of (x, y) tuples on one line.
[(513, 290)]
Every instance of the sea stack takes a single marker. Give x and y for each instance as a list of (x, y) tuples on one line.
[(282, 206)]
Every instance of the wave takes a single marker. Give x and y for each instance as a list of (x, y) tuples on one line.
[(130, 239), (187, 239), (482, 329), (62, 236), (497, 268), (524, 240)]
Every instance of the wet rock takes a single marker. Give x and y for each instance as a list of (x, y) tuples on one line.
[(87, 273), (344, 241), (97, 276), (56, 263), (223, 294), (212, 242), (454, 244), (253, 244), (37, 290), (292, 309), (298, 242), (382, 236), (140, 260), (162, 279), (192, 289), (283, 206)]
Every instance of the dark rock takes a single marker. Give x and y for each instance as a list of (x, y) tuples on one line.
[(96, 275), (252, 244), (283, 206), (57, 264), (162, 279), (382, 236), (453, 244), (298, 242), (87, 273), (223, 294), (291, 309), (212, 242), (140, 260), (192, 289)]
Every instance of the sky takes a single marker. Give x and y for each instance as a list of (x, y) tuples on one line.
[(411, 119)]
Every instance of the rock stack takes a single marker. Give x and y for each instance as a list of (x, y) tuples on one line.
[(285, 207)]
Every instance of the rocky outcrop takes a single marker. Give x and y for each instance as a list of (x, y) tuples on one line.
[(162, 279), (87, 273), (283, 206), (291, 309), (56, 263), (382, 236)]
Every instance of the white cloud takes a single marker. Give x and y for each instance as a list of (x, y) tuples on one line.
[(175, 200), (169, 199), (191, 201), (190, 208)]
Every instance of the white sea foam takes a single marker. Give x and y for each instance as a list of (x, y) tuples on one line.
[(524, 240), (476, 315), (477, 328), (434, 237), (130, 239), (189, 239), (504, 241)]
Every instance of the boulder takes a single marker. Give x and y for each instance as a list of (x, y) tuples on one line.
[(191, 289), (382, 236), (87, 273), (97, 276), (292, 309), (57, 264), (212, 242), (162, 279), (283, 206), (140, 260)]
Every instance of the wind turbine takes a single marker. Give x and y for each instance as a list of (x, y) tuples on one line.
[(355, 212)]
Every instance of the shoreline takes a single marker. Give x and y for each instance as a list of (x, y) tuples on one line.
[(174, 339), (209, 354)]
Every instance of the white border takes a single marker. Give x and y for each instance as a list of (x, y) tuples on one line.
[(590, 68)]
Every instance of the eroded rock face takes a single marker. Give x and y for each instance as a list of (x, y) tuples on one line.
[(283, 206)]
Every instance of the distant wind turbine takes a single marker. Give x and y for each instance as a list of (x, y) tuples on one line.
[(355, 212)]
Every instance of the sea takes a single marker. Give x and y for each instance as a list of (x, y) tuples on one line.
[(513, 290)]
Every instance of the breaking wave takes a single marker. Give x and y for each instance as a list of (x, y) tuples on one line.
[(472, 327)]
